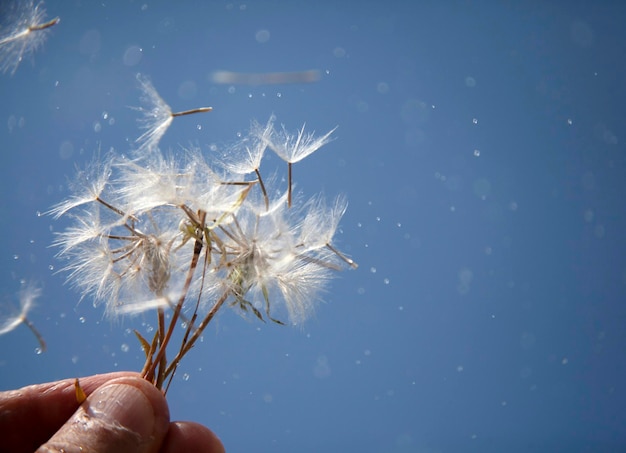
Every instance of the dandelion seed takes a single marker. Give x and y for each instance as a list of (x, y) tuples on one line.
[(88, 186), (293, 148), (150, 182), (157, 115), (27, 31), (10, 317), (300, 283), (320, 224), (91, 271), (246, 157), (87, 228)]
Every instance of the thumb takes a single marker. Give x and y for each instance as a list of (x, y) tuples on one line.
[(125, 415)]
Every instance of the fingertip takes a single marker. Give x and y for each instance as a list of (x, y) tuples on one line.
[(190, 436), (125, 414), (136, 404)]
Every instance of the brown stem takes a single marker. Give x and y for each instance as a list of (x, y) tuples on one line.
[(31, 326), (348, 261), (196, 334), (187, 332), (163, 361), (267, 201), (120, 212), (145, 371), (44, 26), (179, 306), (289, 193), (192, 111)]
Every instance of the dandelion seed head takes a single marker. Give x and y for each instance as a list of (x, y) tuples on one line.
[(140, 223)]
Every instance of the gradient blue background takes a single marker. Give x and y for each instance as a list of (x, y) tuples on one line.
[(488, 313)]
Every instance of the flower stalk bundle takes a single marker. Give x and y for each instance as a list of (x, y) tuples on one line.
[(186, 235)]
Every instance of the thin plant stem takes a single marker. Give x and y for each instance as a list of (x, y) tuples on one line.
[(348, 261), (237, 183), (33, 329), (191, 323), (289, 193), (112, 208), (207, 258), (149, 355), (163, 362), (187, 332), (196, 334), (179, 306), (192, 111), (267, 200), (45, 25)]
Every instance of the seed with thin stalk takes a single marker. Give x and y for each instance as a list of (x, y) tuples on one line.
[(293, 148), (157, 115), (27, 31), (320, 225), (11, 317)]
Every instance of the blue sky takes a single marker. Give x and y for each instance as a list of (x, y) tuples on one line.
[(480, 148)]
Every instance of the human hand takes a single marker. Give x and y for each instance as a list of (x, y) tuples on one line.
[(122, 413)]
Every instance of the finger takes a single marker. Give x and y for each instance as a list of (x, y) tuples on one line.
[(31, 415), (190, 436), (124, 415)]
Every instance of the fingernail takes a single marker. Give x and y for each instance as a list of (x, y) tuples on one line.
[(124, 405)]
